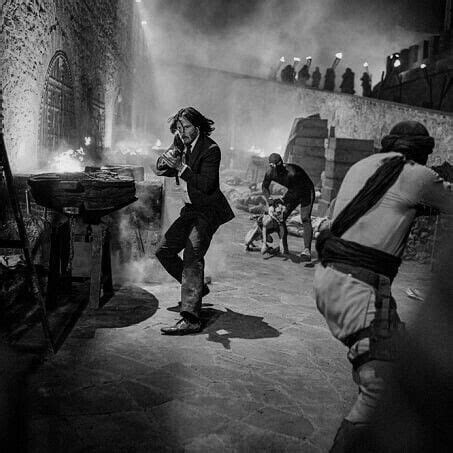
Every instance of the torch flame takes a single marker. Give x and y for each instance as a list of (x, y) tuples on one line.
[(397, 63), (365, 65), (423, 66), (339, 55)]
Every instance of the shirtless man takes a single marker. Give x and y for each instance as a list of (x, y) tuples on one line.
[(301, 191)]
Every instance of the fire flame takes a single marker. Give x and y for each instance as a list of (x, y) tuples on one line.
[(68, 161)]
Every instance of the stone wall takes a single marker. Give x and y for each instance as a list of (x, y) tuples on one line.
[(95, 37), (425, 88), (263, 112), (250, 111), (410, 83)]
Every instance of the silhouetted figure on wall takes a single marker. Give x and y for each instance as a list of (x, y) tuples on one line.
[(316, 78), (276, 71), (347, 84), (303, 76), (288, 74), (329, 80), (366, 85)]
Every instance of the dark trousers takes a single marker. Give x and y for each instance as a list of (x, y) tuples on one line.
[(305, 217), (193, 233)]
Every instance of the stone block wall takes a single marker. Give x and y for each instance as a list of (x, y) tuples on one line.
[(306, 146), (95, 37), (341, 154)]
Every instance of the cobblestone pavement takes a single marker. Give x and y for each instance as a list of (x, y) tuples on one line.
[(264, 375)]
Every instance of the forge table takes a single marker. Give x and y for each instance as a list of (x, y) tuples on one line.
[(87, 196), (61, 256)]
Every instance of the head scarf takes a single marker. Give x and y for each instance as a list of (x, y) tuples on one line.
[(411, 139), (275, 158)]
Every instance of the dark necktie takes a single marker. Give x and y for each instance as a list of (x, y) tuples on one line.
[(187, 154)]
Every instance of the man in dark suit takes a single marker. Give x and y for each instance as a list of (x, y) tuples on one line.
[(194, 158)]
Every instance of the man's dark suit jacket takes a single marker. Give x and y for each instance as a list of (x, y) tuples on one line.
[(202, 178)]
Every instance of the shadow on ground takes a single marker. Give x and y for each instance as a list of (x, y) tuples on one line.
[(222, 326), (129, 305)]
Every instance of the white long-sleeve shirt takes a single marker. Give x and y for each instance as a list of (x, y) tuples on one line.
[(386, 224)]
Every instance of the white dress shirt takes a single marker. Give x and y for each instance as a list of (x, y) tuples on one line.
[(183, 184)]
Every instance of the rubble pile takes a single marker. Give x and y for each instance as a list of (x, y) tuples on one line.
[(244, 195)]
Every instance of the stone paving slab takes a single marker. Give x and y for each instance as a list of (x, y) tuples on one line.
[(264, 375)]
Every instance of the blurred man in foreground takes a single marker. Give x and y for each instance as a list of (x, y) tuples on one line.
[(360, 255)]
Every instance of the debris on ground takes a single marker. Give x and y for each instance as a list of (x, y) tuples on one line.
[(414, 294)]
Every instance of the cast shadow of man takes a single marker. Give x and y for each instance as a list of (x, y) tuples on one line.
[(222, 326), (128, 306)]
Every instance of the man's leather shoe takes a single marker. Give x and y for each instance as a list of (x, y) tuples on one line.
[(182, 327), (305, 256)]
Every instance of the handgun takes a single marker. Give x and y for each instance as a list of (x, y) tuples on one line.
[(178, 151)]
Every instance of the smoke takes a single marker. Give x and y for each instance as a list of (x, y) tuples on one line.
[(249, 36)]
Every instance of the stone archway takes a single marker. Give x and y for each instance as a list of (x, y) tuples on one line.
[(57, 123)]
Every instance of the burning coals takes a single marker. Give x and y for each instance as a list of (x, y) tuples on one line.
[(67, 161)]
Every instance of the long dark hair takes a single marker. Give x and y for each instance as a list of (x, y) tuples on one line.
[(205, 125)]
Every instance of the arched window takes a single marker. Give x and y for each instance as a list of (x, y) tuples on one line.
[(57, 108)]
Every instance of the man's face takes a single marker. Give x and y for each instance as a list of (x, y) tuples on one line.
[(187, 131), (278, 166)]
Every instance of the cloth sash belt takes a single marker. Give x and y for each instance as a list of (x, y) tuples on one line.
[(386, 326)]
